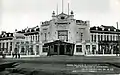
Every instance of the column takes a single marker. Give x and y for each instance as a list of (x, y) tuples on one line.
[(103, 50), (83, 49), (8, 47), (96, 49), (96, 38), (65, 49), (53, 50), (72, 50), (111, 50), (27, 48), (20, 47), (34, 49), (90, 52), (5, 48), (58, 49), (13, 45), (40, 49)]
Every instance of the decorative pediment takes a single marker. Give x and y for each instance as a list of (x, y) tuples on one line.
[(62, 16)]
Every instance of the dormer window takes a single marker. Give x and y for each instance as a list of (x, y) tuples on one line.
[(96, 28), (114, 29), (9, 34), (102, 28)]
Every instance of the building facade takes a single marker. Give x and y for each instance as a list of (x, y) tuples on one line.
[(107, 40), (65, 35), (62, 35)]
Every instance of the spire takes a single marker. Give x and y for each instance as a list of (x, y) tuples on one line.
[(57, 9), (62, 6), (68, 8)]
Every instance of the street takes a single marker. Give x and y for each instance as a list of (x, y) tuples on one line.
[(69, 65)]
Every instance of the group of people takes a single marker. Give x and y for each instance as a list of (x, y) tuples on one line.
[(15, 55)]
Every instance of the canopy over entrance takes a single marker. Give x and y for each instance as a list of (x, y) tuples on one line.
[(59, 48)]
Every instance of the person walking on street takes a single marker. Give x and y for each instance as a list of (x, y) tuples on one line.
[(13, 54), (18, 54), (3, 54)]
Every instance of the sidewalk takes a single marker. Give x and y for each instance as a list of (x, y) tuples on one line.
[(66, 59)]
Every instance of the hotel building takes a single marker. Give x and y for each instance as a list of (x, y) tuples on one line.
[(62, 35)]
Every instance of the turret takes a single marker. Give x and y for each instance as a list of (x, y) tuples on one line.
[(71, 15), (53, 15)]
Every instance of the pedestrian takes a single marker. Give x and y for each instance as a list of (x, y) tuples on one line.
[(15, 52), (18, 55), (3, 54)]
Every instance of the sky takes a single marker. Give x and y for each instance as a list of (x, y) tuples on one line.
[(19, 14)]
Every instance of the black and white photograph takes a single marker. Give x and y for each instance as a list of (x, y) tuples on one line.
[(59, 37)]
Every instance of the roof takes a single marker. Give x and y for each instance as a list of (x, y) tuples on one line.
[(108, 27), (56, 42), (62, 14), (104, 28), (5, 36), (29, 30)]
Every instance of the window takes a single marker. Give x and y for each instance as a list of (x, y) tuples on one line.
[(22, 42), (81, 36), (10, 48), (36, 38), (22, 49), (10, 43), (98, 37), (45, 49), (94, 38), (116, 38), (78, 48), (0, 46), (31, 50), (45, 37), (63, 35), (3, 46), (104, 37), (93, 49), (31, 38), (62, 17), (37, 49), (88, 48), (55, 48), (6, 46), (111, 38), (68, 48), (17, 42), (101, 37), (107, 37)]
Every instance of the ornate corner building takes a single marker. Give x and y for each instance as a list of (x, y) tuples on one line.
[(62, 35)]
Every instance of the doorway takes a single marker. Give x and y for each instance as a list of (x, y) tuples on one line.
[(62, 50)]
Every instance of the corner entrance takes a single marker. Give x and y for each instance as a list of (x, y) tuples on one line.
[(59, 48)]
